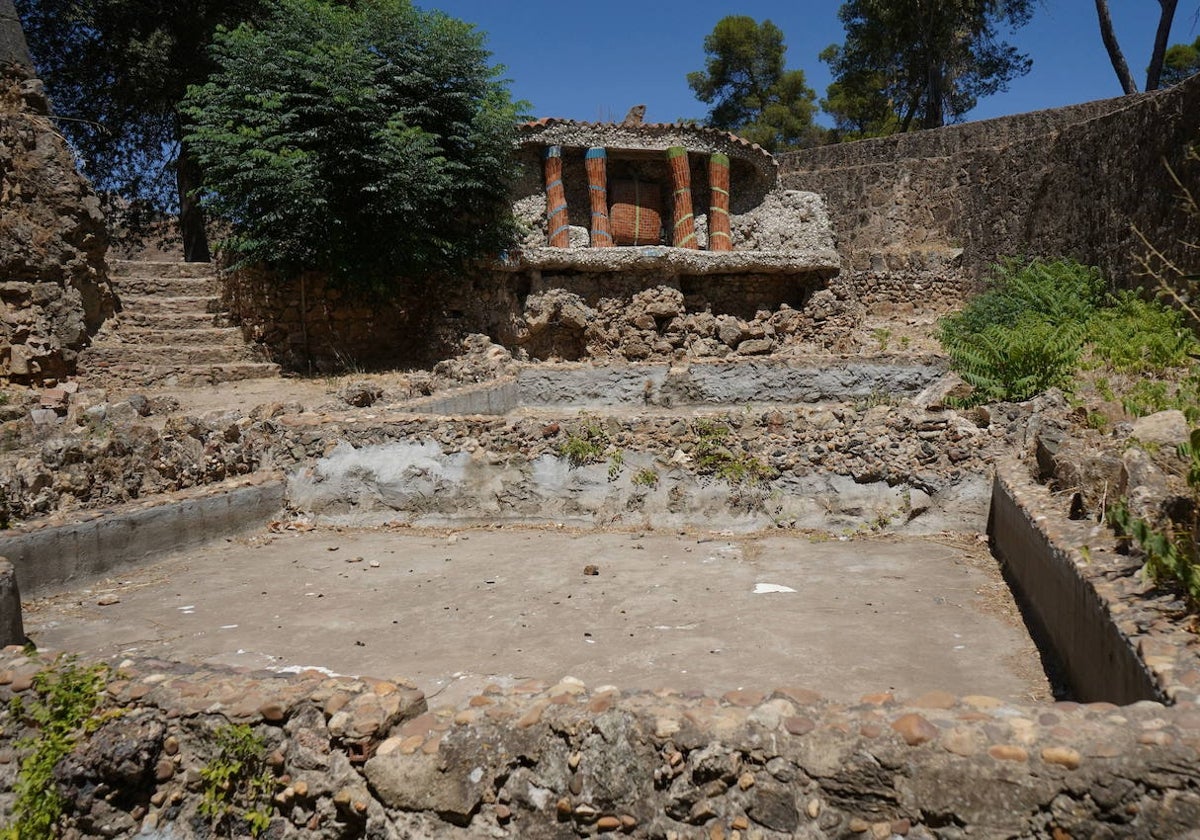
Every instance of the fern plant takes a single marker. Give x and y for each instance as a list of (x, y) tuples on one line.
[(1133, 335), (1059, 292), (1016, 363)]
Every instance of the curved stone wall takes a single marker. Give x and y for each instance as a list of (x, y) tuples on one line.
[(1065, 182)]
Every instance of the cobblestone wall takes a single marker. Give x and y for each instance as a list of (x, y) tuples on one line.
[(1065, 182), (54, 290), (355, 756)]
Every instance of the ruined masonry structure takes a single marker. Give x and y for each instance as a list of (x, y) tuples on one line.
[(663, 200)]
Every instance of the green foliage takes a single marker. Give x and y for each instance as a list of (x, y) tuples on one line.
[(714, 456), (645, 477), (586, 445), (371, 141), (1180, 62), (911, 63), (116, 70), (616, 462), (882, 336), (1026, 332), (66, 704), (1148, 396), (751, 93), (237, 782), (1018, 362), (1060, 292), (854, 101), (1171, 552), (1132, 335), (1029, 331)]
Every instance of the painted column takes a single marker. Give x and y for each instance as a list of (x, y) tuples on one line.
[(557, 219), (596, 161), (683, 234), (719, 236)]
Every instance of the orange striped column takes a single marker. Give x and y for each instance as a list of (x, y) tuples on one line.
[(557, 219), (719, 236), (684, 231), (596, 162)]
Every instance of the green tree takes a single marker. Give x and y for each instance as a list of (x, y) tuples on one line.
[(857, 104), (927, 62), (750, 92), (371, 141), (116, 71), (1180, 61)]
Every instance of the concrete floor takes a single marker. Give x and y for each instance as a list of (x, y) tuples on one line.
[(455, 610)]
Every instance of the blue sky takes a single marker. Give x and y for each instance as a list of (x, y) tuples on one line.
[(592, 61)]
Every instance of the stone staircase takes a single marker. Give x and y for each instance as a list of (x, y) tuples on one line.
[(170, 330)]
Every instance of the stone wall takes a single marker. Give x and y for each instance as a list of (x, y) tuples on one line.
[(576, 315), (54, 290), (1065, 182), (356, 756)]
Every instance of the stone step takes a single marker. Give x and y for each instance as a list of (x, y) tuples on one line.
[(129, 269), (147, 374), (166, 286), (173, 320), (149, 305), (196, 337), (175, 355)]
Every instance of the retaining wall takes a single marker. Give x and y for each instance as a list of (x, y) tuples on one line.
[(52, 556), (355, 756), (1063, 182), (712, 383)]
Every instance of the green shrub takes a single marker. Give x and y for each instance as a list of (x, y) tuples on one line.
[(369, 140), (1133, 335), (1030, 329), (1025, 333), (715, 457), (1148, 396), (1019, 361), (1060, 292)]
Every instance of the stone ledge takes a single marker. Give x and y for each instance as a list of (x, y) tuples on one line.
[(69, 547), (541, 760), (820, 263)]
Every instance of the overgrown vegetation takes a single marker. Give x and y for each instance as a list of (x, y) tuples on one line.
[(585, 445), (1171, 550), (237, 782), (645, 477), (1040, 322), (372, 141), (713, 456), (66, 705)]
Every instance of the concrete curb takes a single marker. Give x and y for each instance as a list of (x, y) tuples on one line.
[(51, 557), (1048, 575)]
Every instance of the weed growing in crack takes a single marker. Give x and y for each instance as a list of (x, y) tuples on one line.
[(1171, 551), (586, 445), (715, 457), (646, 477), (66, 705), (237, 782)]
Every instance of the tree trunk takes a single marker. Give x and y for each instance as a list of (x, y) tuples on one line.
[(1154, 71), (1114, 49), (191, 214)]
